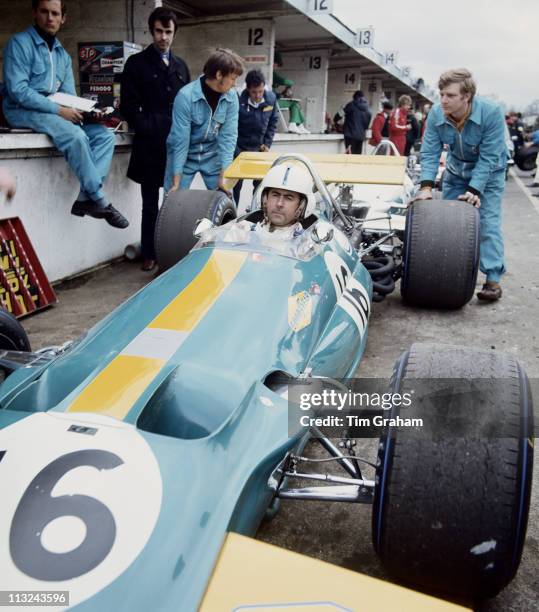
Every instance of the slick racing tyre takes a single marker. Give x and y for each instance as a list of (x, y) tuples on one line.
[(440, 254), (12, 334), (177, 219), (452, 496)]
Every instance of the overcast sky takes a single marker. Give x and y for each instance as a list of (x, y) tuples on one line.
[(497, 40)]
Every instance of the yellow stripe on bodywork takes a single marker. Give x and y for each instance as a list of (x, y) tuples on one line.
[(188, 308), (114, 391), (118, 386)]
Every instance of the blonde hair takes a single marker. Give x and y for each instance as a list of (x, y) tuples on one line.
[(462, 77), (404, 99)]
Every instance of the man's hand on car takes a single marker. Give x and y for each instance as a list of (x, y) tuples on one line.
[(222, 185), (423, 194), (175, 183), (472, 198), (70, 114)]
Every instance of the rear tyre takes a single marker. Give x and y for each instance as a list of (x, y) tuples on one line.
[(177, 219), (451, 506), (12, 334), (440, 254)]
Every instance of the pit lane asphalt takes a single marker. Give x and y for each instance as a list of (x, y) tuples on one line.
[(341, 533)]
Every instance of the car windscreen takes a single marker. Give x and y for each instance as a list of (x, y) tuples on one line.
[(244, 236)]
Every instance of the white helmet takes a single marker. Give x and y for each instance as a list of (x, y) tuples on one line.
[(293, 178)]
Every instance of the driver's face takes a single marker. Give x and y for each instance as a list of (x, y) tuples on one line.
[(282, 207)]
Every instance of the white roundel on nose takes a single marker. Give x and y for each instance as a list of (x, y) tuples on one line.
[(80, 499)]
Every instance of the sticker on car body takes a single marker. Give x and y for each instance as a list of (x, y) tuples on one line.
[(299, 310)]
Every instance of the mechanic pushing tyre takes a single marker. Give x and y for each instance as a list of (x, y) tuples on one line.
[(177, 219), (12, 334), (440, 254), (451, 498)]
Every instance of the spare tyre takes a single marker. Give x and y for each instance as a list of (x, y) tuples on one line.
[(440, 257), (452, 495), (177, 219)]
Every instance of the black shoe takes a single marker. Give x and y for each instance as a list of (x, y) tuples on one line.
[(115, 218), (83, 207), (109, 213)]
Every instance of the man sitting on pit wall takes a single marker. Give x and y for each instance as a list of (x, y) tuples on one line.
[(36, 66)]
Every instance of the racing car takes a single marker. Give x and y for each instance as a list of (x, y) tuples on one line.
[(136, 461)]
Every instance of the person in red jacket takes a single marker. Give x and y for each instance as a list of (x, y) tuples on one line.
[(398, 123), (380, 125)]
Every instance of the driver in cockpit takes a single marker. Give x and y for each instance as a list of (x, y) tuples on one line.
[(286, 198)]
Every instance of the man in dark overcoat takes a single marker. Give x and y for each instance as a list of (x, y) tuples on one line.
[(150, 82)]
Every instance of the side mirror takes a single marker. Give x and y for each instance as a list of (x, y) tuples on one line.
[(322, 232), (201, 226)]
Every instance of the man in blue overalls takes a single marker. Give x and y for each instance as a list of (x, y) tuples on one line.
[(205, 125), (474, 130), (35, 66)]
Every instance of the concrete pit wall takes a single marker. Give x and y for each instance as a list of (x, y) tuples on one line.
[(46, 190)]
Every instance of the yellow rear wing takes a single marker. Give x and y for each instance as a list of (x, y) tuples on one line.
[(332, 168)]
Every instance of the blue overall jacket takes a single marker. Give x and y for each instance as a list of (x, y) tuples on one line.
[(198, 140), (475, 153), (256, 126), (32, 72)]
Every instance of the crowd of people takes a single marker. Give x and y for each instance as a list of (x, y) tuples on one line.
[(183, 127)]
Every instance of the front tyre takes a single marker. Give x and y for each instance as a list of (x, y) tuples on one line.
[(451, 506)]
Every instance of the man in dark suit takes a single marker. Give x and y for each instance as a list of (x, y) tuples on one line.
[(150, 82)]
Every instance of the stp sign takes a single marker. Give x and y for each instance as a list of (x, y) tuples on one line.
[(87, 53)]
